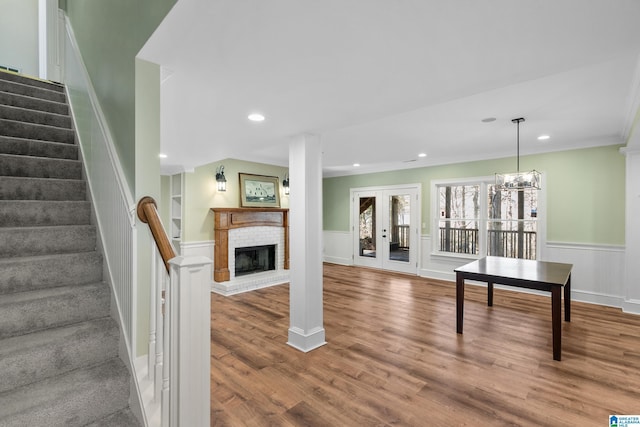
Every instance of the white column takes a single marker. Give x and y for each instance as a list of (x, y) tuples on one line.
[(306, 331), (632, 232)]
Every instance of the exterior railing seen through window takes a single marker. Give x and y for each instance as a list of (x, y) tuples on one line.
[(499, 242)]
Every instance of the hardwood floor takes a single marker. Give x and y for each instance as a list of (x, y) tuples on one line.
[(393, 358)]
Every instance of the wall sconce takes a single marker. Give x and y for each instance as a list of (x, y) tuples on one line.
[(220, 179), (285, 184)]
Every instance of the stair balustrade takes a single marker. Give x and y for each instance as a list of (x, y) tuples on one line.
[(180, 328)]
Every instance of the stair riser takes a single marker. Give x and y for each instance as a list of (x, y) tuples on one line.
[(16, 129), (32, 91), (27, 241), (34, 273), (34, 148), (16, 78), (31, 116), (30, 103), (36, 213), (38, 167), (73, 400), (27, 312), (35, 357), (15, 188)]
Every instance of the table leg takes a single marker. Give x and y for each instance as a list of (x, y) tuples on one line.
[(567, 300), (459, 302), (556, 314), (490, 294)]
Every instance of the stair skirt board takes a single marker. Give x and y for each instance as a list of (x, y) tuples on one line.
[(59, 346)]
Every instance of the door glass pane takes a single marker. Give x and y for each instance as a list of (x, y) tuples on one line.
[(399, 223), (367, 227)]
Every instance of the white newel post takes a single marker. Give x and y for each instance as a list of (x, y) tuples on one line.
[(190, 361), (306, 331)]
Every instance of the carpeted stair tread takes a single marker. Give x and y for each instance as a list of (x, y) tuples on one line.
[(26, 115), (38, 104), (39, 167), (31, 81), (32, 90), (24, 188), (15, 213), (31, 241), (26, 312), (30, 358), (122, 418), (18, 129), (74, 399), (49, 271), (35, 148)]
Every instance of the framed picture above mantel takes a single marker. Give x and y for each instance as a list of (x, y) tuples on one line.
[(259, 191)]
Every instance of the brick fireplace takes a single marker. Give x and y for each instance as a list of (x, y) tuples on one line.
[(237, 228)]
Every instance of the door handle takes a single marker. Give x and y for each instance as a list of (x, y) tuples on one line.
[(384, 235)]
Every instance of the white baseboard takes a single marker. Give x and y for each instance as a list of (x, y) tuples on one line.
[(306, 342), (631, 306), (338, 260), (596, 298), (439, 275)]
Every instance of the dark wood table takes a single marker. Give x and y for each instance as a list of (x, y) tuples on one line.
[(522, 273)]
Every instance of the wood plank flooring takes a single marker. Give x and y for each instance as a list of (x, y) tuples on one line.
[(393, 358)]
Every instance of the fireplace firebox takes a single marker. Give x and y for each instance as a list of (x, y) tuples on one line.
[(255, 259)]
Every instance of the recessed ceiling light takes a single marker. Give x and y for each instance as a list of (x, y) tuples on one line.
[(422, 155), (489, 120), (256, 117), (162, 156), (355, 165), (543, 137)]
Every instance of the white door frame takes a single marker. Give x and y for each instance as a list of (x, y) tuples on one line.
[(50, 40), (416, 217)]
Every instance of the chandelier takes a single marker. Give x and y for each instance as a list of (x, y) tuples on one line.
[(518, 180)]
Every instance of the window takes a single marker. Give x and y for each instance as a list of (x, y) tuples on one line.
[(473, 218)]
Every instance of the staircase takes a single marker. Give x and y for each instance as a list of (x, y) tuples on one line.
[(59, 363)]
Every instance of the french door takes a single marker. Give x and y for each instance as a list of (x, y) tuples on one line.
[(385, 227)]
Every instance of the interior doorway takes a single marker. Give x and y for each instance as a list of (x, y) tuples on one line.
[(385, 227)]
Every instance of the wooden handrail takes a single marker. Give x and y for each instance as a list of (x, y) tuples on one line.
[(148, 213)]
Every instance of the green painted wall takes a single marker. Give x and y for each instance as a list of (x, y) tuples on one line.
[(201, 194), (109, 35), (585, 191), (147, 182)]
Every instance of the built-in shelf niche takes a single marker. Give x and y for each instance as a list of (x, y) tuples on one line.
[(175, 229)]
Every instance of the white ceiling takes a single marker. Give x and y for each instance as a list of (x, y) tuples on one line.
[(383, 80)]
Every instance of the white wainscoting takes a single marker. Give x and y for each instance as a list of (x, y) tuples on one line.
[(598, 271), (194, 249), (338, 247), (597, 276)]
